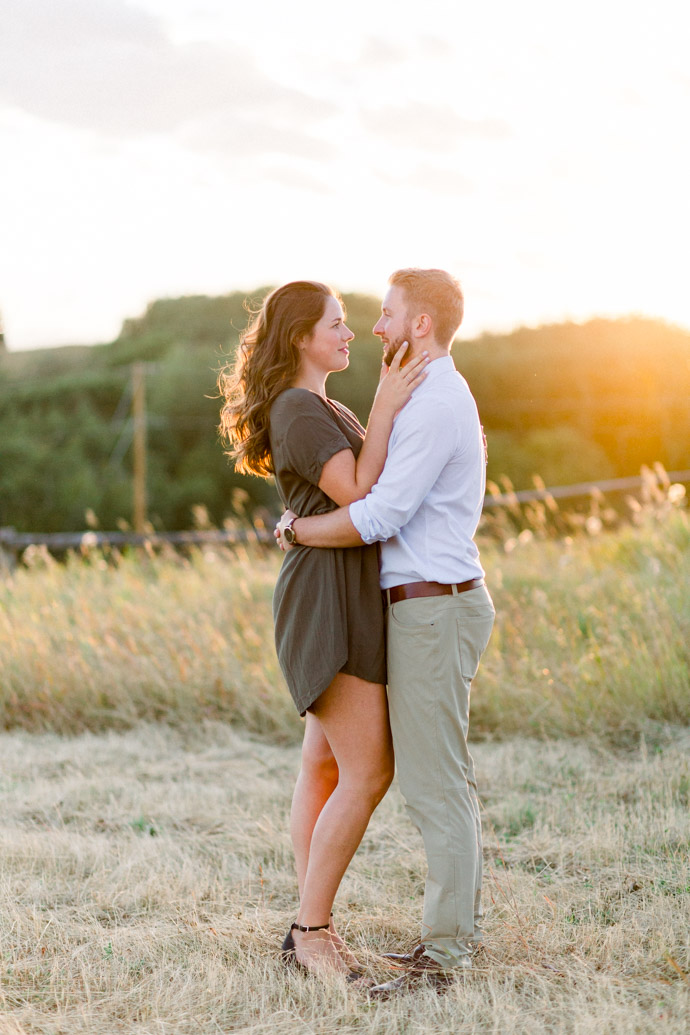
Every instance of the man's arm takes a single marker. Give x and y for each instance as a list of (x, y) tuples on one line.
[(333, 529), (417, 453)]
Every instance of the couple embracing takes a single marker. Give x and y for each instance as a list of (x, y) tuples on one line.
[(381, 584)]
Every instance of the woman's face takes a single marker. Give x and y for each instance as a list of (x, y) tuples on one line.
[(326, 348)]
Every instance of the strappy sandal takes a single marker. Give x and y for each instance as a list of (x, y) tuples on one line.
[(288, 952), (347, 955)]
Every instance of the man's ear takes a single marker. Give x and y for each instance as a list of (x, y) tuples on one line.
[(423, 326)]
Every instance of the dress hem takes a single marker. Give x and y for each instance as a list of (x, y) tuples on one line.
[(304, 708)]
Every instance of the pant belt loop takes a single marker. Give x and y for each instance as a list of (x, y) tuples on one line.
[(455, 590)]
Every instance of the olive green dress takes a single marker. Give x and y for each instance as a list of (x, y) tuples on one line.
[(327, 602)]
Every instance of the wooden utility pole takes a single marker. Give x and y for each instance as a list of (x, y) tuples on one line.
[(139, 465)]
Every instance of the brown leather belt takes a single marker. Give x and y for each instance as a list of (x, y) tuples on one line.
[(427, 589)]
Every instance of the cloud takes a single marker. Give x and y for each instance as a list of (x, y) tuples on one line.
[(433, 127), (110, 68), (236, 136), (296, 178), (434, 179), (434, 47), (377, 51), (440, 181)]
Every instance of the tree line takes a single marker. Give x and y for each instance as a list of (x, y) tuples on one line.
[(570, 402)]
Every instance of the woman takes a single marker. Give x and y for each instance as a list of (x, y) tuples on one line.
[(327, 610)]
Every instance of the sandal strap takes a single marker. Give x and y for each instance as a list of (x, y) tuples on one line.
[(300, 927)]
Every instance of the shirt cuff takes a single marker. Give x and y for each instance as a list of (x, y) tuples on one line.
[(358, 517)]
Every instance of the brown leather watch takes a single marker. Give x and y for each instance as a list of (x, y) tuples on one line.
[(289, 534)]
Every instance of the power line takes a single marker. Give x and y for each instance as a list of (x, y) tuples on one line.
[(122, 443)]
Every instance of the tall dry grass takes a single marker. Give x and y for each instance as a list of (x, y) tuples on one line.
[(96, 643), (146, 883), (592, 636), (593, 633)]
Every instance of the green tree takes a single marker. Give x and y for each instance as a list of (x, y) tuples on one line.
[(570, 402)]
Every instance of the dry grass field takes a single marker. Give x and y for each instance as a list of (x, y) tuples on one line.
[(146, 766), (146, 884)]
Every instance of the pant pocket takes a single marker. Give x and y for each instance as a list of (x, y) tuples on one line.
[(473, 636)]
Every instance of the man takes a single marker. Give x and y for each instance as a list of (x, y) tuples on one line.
[(424, 510)]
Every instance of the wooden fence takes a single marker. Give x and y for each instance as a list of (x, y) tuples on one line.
[(649, 480), (12, 543)]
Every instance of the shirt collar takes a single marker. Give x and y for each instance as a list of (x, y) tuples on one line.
[(442, 365)]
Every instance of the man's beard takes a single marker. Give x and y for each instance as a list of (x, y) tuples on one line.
[(392, 347)]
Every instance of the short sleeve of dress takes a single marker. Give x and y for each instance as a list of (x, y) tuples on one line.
[(309, 441)]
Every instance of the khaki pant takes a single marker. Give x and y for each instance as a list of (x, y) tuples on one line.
[(434, 647)]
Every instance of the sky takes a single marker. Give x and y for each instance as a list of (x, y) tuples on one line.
[(156, 148)]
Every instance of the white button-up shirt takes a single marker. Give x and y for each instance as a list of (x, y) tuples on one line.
[(426, 505)]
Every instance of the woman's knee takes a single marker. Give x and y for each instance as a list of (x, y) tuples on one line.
[(373, 776), (386, 774), (319, 764)]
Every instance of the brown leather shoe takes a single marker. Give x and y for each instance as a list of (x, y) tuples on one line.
[(409, 957), (422, 971), (404, 957)]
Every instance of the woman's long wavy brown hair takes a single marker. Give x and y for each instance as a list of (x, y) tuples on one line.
[(267, 362)]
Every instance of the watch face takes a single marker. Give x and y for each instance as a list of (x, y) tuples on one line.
[(289, 534)]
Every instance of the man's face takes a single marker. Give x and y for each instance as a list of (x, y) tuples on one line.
[(394, 327)]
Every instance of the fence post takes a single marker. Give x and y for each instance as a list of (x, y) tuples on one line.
[(139, 452), (8, 559)]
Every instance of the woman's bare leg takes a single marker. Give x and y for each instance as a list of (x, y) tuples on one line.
[(318, 777), (353, 717)]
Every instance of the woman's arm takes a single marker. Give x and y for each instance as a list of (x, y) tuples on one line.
[(346, 479)]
